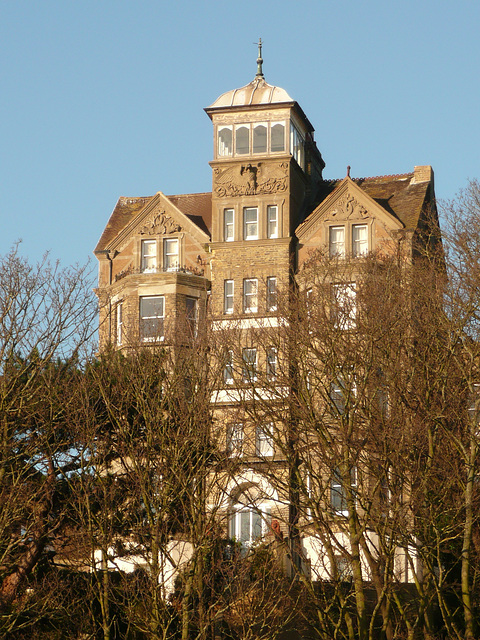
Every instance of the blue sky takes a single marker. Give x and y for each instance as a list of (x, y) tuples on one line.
[(102, 99)]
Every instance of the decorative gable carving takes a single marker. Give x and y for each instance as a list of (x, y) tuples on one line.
[(250, 179), (160, 223), (348, 208)]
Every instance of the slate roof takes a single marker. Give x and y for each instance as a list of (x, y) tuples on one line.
[(196, 206), (400, 195)]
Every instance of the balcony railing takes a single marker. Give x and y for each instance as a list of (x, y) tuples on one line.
[(193, 271)]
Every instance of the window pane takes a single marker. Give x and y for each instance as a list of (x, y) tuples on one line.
[(225, 146), (245, 526), (344, 306), (242, 143), (271, 362), (256, 525), (250, 223), (337, 242), (249, 357), (228, 369), (260, 138), (359, 240), (278, 137)]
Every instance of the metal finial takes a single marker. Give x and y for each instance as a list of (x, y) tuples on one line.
[(259, 59), (348, 171)]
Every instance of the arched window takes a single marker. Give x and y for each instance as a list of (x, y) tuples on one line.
[(250, 516)]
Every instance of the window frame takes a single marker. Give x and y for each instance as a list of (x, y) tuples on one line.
[(159, 336), (221, 144), (272, 234), (264, 443), (356, 252), (235, 439), (271, 302), (228, 297), (248, 223), (249, 364), (119, 323), (167, 255), (336, 249), (228, 225), (271, 362), (250, 298), (338, 488), (144, 256), (344, 309)]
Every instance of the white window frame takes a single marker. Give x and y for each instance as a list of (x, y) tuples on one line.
[(119, 323), (256, 519), (249, 364), (228, 368), (250, 227), (143, 319), (297, 145), (336, 246), (271, 293), (148, 260), (272, 221), (264, 444), (271, 363), (228, 296), (250, 295), (339, 492), (229, 225), (359, 245), (235, 439), (169, 256), (344, 305)]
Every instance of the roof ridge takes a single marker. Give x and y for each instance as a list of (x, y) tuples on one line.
[(387, 175), (198, 193)]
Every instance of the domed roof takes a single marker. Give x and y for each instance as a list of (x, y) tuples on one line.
[(256, 92)]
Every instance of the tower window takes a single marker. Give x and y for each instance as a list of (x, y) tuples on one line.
[(296, 145), (250, 223), (277, 134), (225, 141), (149, 256), (228, 225), (272, 221), (152, 316), (260, 138), (242, 140)]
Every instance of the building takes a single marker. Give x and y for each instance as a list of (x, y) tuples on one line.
[(168, 262)]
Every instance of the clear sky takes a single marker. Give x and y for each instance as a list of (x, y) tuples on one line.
[(105, 98)]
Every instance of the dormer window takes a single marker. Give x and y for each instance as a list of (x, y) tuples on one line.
[(149, 256), (359, 240)]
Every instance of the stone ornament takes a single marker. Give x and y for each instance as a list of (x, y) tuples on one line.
[(161, 223), (251, 179), (347, 208)]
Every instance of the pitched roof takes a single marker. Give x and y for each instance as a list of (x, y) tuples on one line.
[(404, 195), (196, 206)]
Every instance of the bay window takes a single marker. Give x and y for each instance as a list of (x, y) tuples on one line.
[(152, 317)]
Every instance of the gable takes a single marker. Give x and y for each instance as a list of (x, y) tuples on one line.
[(347, 203), (159, 217)]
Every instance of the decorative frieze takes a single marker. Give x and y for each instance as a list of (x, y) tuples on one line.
[(347, 208), (250, 179)]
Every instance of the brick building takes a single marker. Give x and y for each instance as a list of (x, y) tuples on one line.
[(161, 258)]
